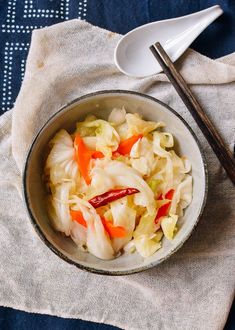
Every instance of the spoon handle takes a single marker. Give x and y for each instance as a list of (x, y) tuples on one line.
[(213, 137)]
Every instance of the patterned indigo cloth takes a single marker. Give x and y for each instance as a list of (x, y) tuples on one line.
[(19, 17)]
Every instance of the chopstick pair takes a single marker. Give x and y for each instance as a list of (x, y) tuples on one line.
[(213, 137)]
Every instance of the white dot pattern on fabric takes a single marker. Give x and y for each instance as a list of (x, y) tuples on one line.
[(30, 11), (9, 52), (24, 23), (82, 9)]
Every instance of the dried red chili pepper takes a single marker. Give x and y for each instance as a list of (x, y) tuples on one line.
[(111, 196), (163, 210)]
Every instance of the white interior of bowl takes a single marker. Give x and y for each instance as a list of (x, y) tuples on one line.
[(101, 105)]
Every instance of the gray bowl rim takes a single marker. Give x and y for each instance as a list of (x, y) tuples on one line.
[(34, 221)]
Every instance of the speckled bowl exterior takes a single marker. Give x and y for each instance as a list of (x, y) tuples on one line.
[(101, 103)]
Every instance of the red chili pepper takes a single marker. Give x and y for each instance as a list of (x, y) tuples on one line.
[(163, 210), (116, 154), (113, 231), (111, 196), (97, 154), (125, 146), (169, 194)]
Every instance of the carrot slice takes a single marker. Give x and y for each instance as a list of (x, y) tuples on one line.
[(78, 217), (83, 156), (125, 146), (113, 231)]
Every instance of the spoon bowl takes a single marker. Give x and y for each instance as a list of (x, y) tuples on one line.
[(132, 55)]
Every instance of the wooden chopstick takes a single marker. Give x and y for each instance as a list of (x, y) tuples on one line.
[(213, 137)]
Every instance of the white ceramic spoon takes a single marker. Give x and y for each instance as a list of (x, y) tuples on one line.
[(132, 55)]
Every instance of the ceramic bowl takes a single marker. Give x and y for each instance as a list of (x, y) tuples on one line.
[(100, 104)]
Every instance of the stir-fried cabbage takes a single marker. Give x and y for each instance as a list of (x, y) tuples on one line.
[(182, 197), (78, 234), (60, 164), (142, 157), (144, 236), (117, 116), (98, 242), (107, 139), (136, 125), (123, 215), (119, 174), (128, 124), (58, 207), (168, 225), (90, 142), (117, 186)]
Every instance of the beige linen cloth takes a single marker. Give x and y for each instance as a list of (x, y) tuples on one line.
[(194, 289)]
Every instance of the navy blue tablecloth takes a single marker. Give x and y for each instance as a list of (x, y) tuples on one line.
[(17, 20)]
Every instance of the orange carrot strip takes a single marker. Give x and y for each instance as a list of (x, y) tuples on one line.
[(113, 231), (83, 157), (78, 217), (125, 146)]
